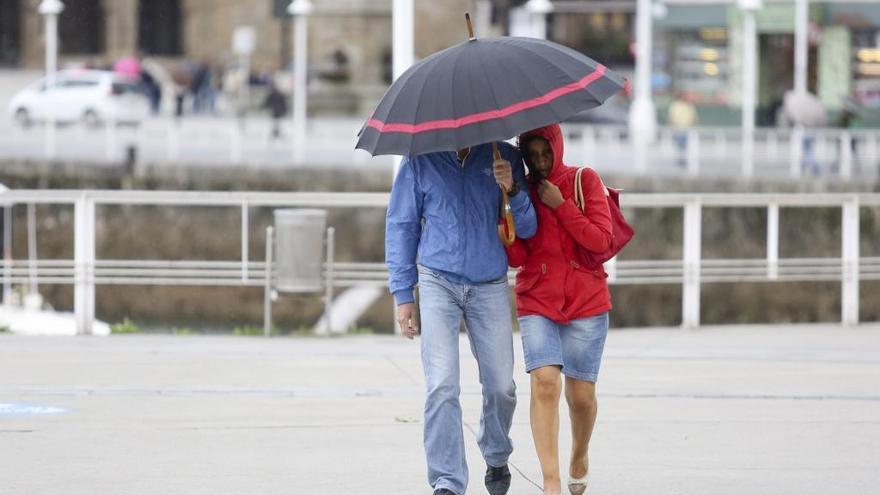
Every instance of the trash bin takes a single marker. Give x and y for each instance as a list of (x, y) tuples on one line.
[(299, 250)]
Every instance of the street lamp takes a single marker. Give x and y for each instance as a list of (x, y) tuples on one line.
[(750, 56), (300, 10), (642, 115), (801, 25), (539, 10), (50, 9)]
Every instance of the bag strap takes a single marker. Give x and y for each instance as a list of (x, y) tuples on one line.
[(578, 190)]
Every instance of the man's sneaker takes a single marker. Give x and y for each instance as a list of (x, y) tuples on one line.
[(443, 491), (497, 480)]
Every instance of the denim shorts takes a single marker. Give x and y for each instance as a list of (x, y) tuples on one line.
[(576, 347)]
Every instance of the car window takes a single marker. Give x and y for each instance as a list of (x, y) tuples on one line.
[(78, 83), (120, 88)]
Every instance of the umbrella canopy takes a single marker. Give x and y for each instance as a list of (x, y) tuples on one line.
[(128, 66), (804, 109), (484, 90)]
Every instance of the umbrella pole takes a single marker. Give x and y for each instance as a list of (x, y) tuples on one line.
[(506, 230), (467, 18)]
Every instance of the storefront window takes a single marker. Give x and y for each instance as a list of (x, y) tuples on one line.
[(866, 67), (698, 64)]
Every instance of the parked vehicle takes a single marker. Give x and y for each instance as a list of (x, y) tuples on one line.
[(89, 96)]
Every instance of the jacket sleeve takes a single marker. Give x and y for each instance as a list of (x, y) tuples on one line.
[(403, 229), (524, 218), (517, 253), (591, 230)]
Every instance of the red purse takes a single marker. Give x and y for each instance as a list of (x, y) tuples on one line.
[(621, 231)]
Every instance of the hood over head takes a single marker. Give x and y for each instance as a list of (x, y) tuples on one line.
[(553, 135)]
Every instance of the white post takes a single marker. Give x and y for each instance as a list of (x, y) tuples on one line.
[(750, 78), (402, 47), (539, 10), (267, 285), (772, 144), (850, 263), (773, 241), (32, 249), (7, 252), (173, 141), (846, 157), (300, 10), (642, 115), (51, 9), (84, 262), (328, 280), (693, 152), (244, 92), (235, 141), (796, 151), (692, 260), (588, 143), (801, 25), (245, 231), (110, 134), (611, 269)]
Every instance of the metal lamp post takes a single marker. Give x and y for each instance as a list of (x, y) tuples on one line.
[(642, 115), (539, 10), (300, 10), (750, 78), (402, 48), (50, 9), (801, 25)]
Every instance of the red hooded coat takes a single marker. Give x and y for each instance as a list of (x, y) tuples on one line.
[(554, 280)]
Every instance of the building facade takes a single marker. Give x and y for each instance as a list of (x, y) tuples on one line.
[(356, 33)]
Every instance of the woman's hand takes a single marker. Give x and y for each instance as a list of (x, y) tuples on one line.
[(549, 194)]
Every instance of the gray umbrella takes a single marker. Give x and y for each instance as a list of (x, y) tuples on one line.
[(804, 109), (484, 90)]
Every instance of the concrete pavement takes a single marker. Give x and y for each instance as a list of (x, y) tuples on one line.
[(732, 410)]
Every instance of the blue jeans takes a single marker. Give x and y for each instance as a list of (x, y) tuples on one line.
[(486, 311)]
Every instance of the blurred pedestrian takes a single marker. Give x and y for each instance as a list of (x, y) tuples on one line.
[(202, 89), (681, 116), (151, 89), (806, 111), (850, 117), (276, 103)]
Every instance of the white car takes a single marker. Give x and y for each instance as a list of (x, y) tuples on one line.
[(88, 96)]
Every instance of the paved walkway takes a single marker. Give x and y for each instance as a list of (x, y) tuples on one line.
[(735, 410)]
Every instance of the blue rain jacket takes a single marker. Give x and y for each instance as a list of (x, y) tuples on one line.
[(444, 215)]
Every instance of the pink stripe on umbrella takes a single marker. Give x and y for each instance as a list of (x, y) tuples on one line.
[(434, 125)]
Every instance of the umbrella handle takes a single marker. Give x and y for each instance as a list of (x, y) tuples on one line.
[(506, 229)]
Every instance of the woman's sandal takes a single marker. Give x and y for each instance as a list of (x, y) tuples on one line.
[(577, 486)]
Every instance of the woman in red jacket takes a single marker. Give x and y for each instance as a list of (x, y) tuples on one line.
[(562, 302)]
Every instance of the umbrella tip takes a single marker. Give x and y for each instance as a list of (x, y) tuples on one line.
[(467, 18)]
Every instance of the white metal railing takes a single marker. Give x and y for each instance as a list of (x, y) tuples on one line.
[(701, 151), (85, 271), (717, 151)]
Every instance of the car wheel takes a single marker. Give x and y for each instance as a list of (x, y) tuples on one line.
[(90, 119), (23, 117)]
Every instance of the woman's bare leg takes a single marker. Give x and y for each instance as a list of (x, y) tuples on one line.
[(582, 408), (544, 413)]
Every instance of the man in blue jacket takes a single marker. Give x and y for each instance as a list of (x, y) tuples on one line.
[(441, 233)]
